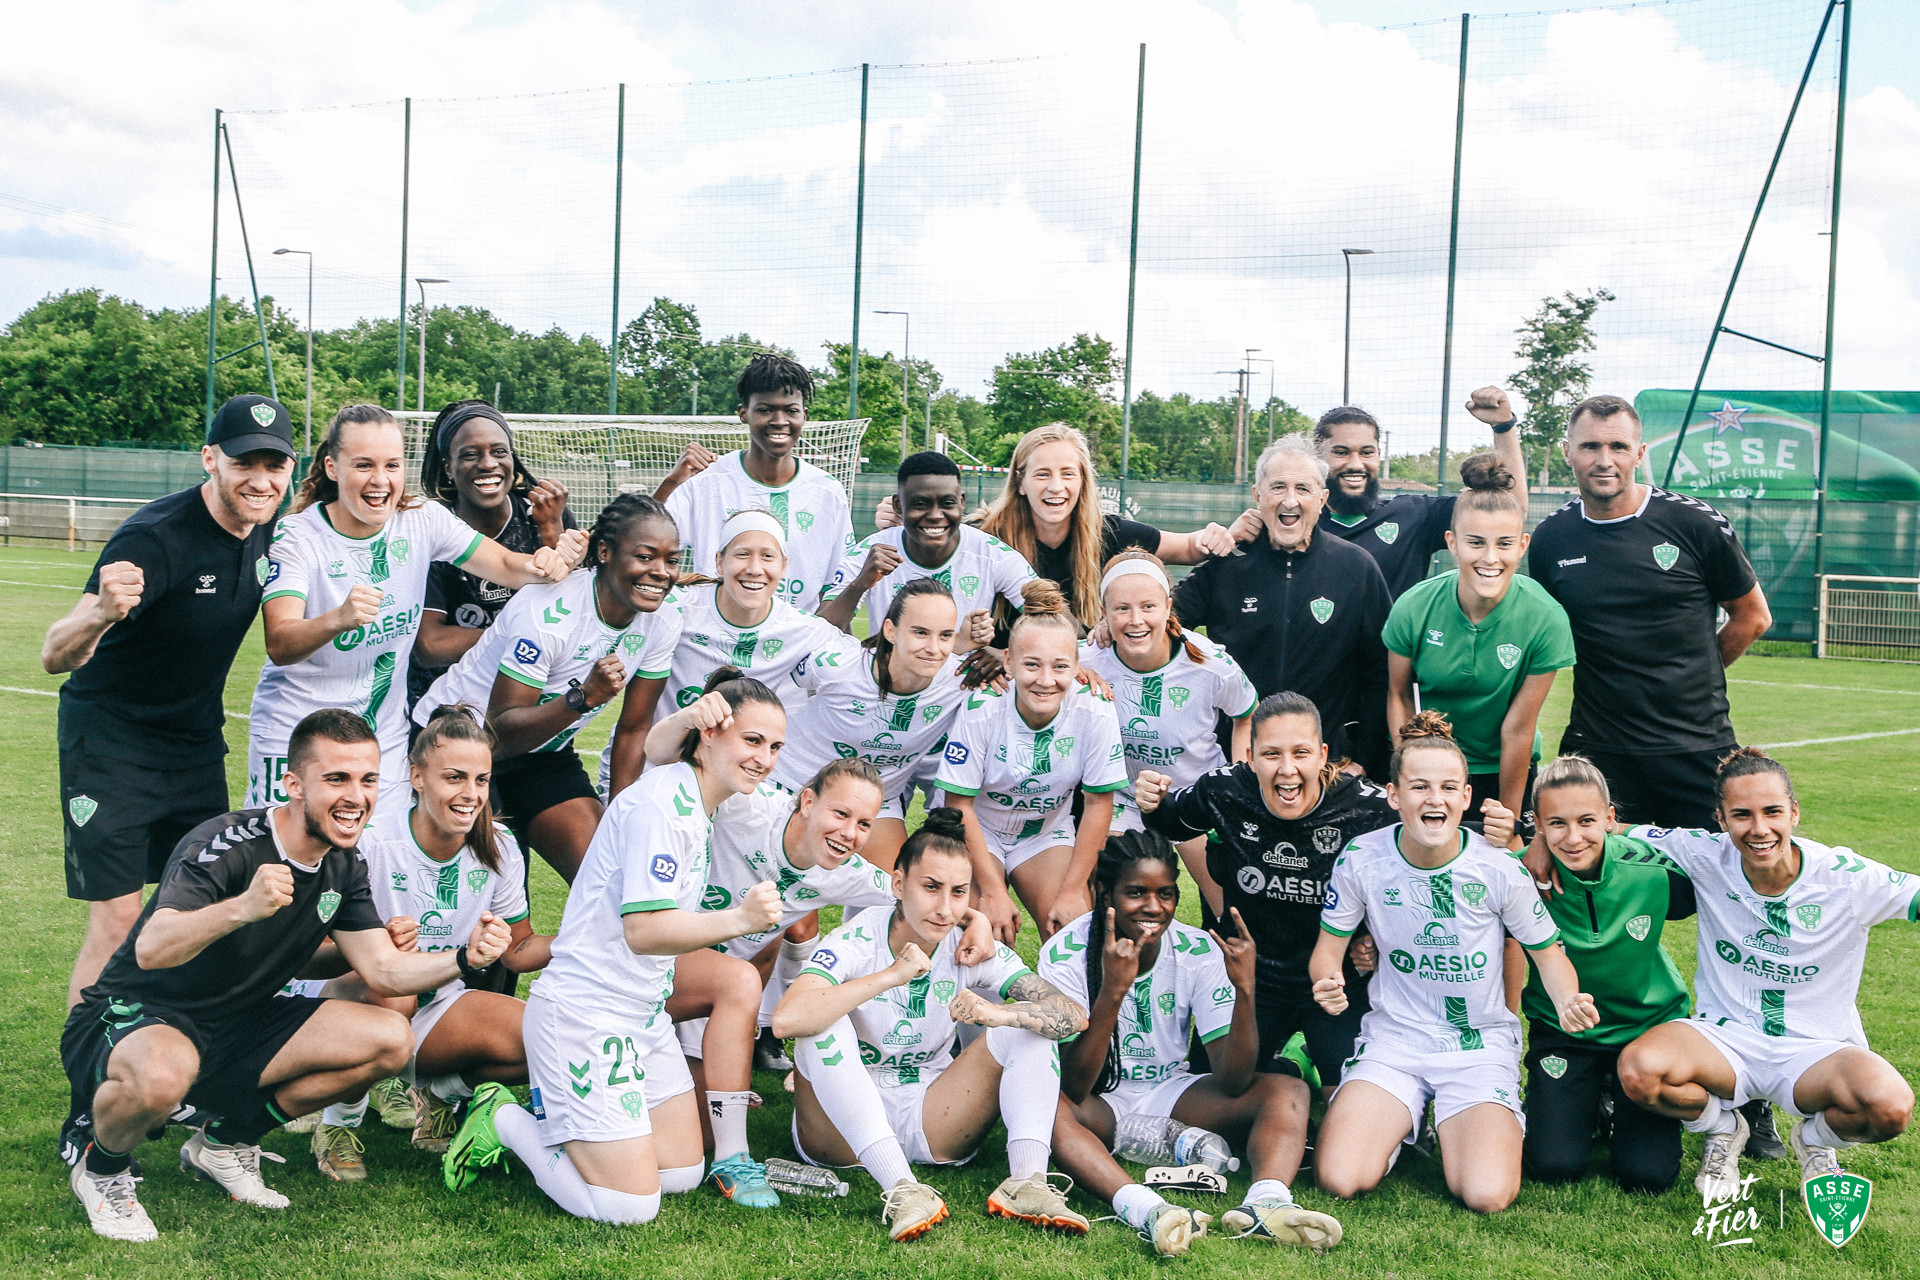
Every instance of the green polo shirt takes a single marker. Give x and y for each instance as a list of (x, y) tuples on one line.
[(1472, 671)]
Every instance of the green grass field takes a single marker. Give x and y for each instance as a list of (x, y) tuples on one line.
[(1863, 792)]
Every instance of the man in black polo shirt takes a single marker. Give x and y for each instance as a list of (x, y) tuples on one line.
[(188, 1007), (1299, 610), (142, 752)]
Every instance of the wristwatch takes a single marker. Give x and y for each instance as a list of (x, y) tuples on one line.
[(576, 698), (1501, 428), (468, 970)]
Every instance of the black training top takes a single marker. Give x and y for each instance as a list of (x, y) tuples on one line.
[(1117, 534), (468, 599), (1308, 621), (212, 863), (1643, 594), (1401, 533), (1274, 870), (151, 692)]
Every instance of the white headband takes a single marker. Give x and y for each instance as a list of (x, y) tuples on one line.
[(1145, 568), (750, 521)]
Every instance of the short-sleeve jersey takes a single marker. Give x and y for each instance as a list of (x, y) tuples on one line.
[(549, 636), (1787, 965), (905, 1033), (365, 669), (1401, 533), (1018, 775), (212, 863), (1643, 594), (1185, 993), (1167, 714), (768, 652), (848, 715), (649, 853), (812, 506), (981, 569), (1472, 671), (1439, 988), (749, 846)]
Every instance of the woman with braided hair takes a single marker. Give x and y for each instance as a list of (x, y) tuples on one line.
[(1149, 983)]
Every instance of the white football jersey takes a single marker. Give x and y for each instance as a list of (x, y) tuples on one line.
[(812, 506), (769, 652), (1439, 988), (1785, 966), (1018, 776), (365, 669), (1167, 714), (749, 846), (849, 716), (649, 853), (980, 569), (906, 1033), (549, 636), (1185, 992)]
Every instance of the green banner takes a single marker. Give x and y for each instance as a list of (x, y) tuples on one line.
[(1766, 444)]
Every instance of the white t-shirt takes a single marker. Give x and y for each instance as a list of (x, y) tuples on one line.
[(549, 635), (365, 669), (812, 506), (749, 846), (906, 1033), (849, 716), (1167, 714), (1439, 988), (980, 568), (649, 853), (1019, 775), (1785, 966), (769, 652), (1186, 991)]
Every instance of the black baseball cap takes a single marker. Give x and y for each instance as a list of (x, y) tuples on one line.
[(246, 424)]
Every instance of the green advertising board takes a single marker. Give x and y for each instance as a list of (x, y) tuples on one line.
[(1766, 444)]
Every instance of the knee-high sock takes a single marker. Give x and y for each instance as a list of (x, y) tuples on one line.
[(831, 1063), (785, 969), (679, 1181), (1029, 1095), (551, 1167), (727, 1112), (622, 1208)]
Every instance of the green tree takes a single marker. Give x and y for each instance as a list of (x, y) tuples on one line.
[(1554, 379), (1076, 382)]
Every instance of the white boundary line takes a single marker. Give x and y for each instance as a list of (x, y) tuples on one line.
[(1851, 737), (1831, 688), (50, 586), (54, 693)]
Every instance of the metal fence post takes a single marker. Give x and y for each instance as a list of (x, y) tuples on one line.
[(1453, 257), (619, 181), (859, 244), (1833, 269), (213, 273), (1133, 269), (406, 183)]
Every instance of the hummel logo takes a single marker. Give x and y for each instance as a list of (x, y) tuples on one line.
[(1576, 560), (208, 856)]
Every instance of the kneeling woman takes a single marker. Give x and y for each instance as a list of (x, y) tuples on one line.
[(1148, 1000), (1436, 899), (606, 1141), (874, 1013)]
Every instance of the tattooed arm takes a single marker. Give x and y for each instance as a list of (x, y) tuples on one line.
[(1038, 1006)]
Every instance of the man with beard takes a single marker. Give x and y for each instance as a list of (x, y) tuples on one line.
[(141, 725), (188, 1008)]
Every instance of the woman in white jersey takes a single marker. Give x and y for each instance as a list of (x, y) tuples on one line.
[(1168, 686), (555, 657), (1013, 762), (612, 1122), (1438, 900), (346, 579), (874, 1015)]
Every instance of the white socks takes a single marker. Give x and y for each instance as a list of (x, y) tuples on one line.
[(551, 1167), (1818, 1132), (1269, 1189), (1715, 1117), (786, 967), (727, 1112), (677, 1182), (1134, 1203), (622, 1208), (886, 1161), (451, 1087), (831, 1063), (1029, 1096), (345, 1115)]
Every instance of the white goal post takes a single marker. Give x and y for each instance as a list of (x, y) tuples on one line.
[(1868, 619)]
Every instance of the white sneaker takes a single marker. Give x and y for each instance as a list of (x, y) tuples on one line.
[(112, 1208), (236, 1169), (1719, 1176), (1815, 1161)]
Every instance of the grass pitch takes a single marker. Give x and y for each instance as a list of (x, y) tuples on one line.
[(1858, 779)]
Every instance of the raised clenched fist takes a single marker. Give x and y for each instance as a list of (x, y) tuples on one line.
[(1490, 404), (270, 890), (361, 607), (121, 584)]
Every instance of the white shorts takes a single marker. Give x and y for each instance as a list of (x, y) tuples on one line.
[(267, 766), (905, 1105), (1126, 814), (1055, 830), (1157, 1099), (595, 1076), (896, 808), (1765, 1066), (1452, 1081), (428, 1016)]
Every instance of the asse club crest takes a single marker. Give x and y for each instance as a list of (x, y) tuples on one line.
[(943, 990), (1638, 927), (804, 519), (328, 904), (1554, 1065), (263, 414), (82, 809), (1666, 555), (1808, 914), (1387, 531), (1838, 1205), (1473, 891), (1509, 655), (1322, 609), (969, 585)]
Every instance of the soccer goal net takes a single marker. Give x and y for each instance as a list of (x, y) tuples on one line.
[(1873, 619), (596, 457)]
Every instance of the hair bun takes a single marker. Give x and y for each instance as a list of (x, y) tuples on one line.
[(1427, 724), (1483, 472), (720, 676), (1042, 598), (945, 821)]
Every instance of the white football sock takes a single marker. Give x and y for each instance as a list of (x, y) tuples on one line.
[(551, 1167), (345, 1115), (1818, 1132), (728, 1114), (831, 1064), (679, 1181), (622, 1208), (1269, 1188), (887, 1161), (1029, 1095), (1715, 1117), (786, 967), (1134, 1203), (451, 1087)]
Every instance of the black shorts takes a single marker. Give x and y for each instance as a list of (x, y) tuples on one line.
[(1486, 786), (1565, 1082), (524, 787), (234, 1050), (122, 819), (1663, 791), (1280, 1013)]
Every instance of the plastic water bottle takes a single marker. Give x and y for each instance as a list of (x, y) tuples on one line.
[(1155, 1140), (790, 1177)]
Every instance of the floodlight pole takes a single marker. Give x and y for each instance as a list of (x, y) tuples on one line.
[(406, 182), (253, 279), (1346, 347), (859, 244), (1453, 256), (1133, 271), (1271, 366), (213, 272), (1833, 274), (619, 181)]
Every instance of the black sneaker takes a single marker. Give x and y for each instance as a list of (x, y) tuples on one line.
[(1763, 1138), (769, 1053)]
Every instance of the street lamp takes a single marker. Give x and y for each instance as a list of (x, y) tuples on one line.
[(1346, 357), (420, 399), (308, 447), (1254, 359), (906, 382)]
